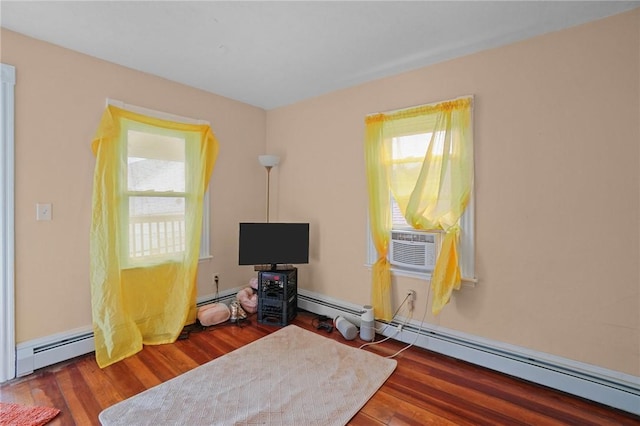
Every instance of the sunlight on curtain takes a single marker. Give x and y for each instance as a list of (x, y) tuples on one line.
[(377, 154), (431, 188), (144, 298)]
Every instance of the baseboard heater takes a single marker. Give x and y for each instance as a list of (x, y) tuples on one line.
[(604, 386), (39, 353), (608, 387), (50, 350)]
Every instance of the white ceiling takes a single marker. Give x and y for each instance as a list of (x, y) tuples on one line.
[(271, 53)]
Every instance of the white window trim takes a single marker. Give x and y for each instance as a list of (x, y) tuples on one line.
[(155, 113), (205, 237), (466, 247), (466, 251)]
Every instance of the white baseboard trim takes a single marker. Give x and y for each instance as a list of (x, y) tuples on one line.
[(608, 387), (42, 352), (604, 386), (223, 296)]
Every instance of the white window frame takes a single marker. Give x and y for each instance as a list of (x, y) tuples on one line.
[(127, 194), (205, 238), (466, 247)]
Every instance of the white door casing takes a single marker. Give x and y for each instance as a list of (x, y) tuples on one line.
[(7, 230)]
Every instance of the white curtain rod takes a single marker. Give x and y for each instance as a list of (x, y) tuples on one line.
[(154, 113), (416, 106)]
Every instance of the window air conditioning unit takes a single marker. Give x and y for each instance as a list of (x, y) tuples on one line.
[(413, 249)]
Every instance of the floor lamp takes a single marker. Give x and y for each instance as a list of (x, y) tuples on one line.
[(269, 162)]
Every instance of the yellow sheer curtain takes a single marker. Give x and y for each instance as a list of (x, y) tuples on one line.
[(147, 302), (377, 154), (432, 193)]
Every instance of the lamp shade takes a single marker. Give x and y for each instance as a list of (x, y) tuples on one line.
[(269, 160)]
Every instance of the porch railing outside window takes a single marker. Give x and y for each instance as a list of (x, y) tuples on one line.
[(158, 235)]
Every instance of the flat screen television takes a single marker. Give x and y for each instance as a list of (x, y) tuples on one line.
[(273, 244)]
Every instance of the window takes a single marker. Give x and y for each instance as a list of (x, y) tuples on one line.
[(154, 197), (411, 151), (432, 194), (149, 185)]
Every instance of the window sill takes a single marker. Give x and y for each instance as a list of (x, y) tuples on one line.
[(466, 282)]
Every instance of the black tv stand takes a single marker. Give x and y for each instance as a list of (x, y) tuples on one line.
[(273, 267), (277, 296)]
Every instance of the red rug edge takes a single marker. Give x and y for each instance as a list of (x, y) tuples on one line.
[(18, 414)]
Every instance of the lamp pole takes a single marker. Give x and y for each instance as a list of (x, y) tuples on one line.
[(268, 186), (268, 161)]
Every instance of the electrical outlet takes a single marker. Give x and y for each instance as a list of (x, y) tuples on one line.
[(43, 211), (411, 299)]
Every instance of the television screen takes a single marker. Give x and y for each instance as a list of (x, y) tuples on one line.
[(273, 243)]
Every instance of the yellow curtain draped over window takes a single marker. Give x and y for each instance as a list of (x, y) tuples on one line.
[(432, 194), (145, 302), (377, 155)]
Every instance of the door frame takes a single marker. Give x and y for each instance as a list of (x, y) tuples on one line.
[(7, 223)]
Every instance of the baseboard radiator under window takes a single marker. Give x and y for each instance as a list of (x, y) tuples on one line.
[(608, 387), (39, 353), (50, 350), (597, 384)]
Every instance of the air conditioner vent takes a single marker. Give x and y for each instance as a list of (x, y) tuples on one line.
[(413, 249)]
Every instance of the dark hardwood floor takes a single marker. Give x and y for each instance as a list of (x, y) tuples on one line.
[(425, 389)]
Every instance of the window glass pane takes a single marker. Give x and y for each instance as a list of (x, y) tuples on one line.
[(410, 147), (155, 162), (397, 219), (414, 147), (156, 226), (409, 150), (408, 153)]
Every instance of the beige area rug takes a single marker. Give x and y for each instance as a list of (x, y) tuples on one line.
[(22, 415), (290, 377)]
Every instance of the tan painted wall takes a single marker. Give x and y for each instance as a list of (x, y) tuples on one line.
[(60, 96), (557, 189), (557, 185)]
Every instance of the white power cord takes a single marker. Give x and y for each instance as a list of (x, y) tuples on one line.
[(380, 341), (397, 330), (381, 330), (426, 309)]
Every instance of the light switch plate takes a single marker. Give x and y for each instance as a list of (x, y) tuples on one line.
[(43, 211)]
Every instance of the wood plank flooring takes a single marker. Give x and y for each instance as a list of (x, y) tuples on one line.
[(425, 389)]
